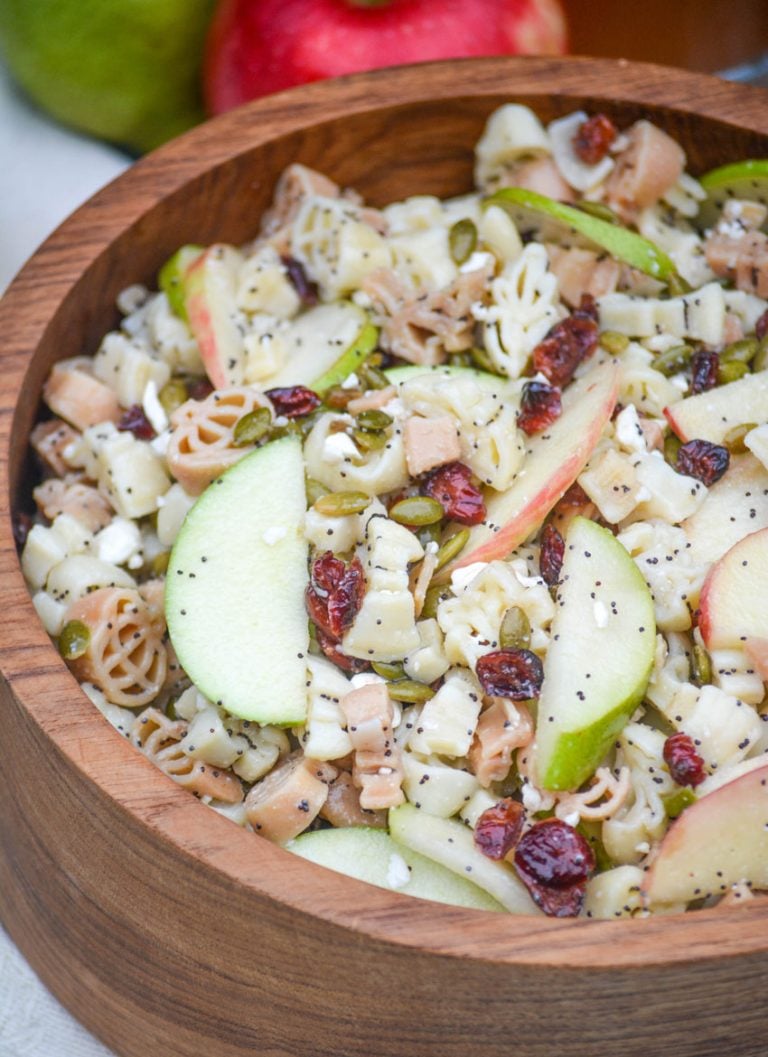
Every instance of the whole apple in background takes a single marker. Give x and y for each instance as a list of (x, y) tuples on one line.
[(256, 47)]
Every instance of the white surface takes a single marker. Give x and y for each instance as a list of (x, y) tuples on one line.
[(45, 173)]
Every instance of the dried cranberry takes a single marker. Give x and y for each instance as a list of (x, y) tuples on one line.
[(587, 308), (22, 523), (702, 459), (293, 401), (302, 284), (540, 405), (551, 554), (593, 138), (452, 487), (199, 389), (704, 366), (516, 674), (685, 764), (498, 829), (335, 593), (569, 342), (333, 652), (554, 861), (135, 421), (574, 503), (761, 327)]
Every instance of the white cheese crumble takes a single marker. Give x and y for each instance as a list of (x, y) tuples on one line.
[(398, 874), (462, 578), (628, 431), (273, 535), (600, 612), (118, 542), (337, 447), (351, 381), (153, 409)]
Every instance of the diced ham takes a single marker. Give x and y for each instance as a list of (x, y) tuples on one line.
[(288, 799), (421, 326), (581, 271), (373, 400), (377, 770), (740, 256), (543, 176), (503, 727), (79, 398), (296, 184), (430, 442), (50, 440), (342, 808), (650, 164), (58, 495)]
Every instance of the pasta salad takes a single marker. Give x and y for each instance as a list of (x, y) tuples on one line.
[(428, 541)]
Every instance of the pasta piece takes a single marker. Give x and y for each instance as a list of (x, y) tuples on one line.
[(50, 440), (579, 174), (422, 259), (680, 241), (63, 495), (127, 366), (512, 132), (580, 271), (498, 234), (662, 555), (126, 657), (79, 574), (323, 736), (647, 168), (73, 394), (615, 893), (427, 663), (435, 786), (333, 459), (448, 721), (202, 438), (264, 286), (297, 183), (699, 315), (642, 819), (287, 800), (503, 727), (542, 176), (600, 801), (377, 769)]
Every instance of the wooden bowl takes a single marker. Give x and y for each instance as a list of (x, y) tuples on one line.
[(163, 927)]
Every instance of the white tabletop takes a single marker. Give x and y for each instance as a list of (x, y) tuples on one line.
[(45, 173)]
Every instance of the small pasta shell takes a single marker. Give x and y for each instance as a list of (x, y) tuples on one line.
[(289, 798)]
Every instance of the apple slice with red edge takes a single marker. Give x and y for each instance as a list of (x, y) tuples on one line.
[(732, 604), (170, 278), (210, 286), (720, 840), (734, 506), (553, 461), (742, 180), (712, 414)]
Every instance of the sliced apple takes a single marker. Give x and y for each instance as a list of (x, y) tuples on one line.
[(712, 414), (719, 841), (732, 604), (371, 855), (744, 180), (170, 279), (492, 382), (325, 344), (553, 221), (553, 461), (451, 844), (599, 658), (210, 289), (734, 506), (234, 598)]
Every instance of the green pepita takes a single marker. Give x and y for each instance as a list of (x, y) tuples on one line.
[(613, 341), (462, 240), (369, 440), (676, 803), (74, 640), (337, 397), (743, 351), (433, 598), (515, 630), (340, 504), (315, 491), (731, 371), (701, 666), (388, 670), (452, 547), (417, 510), (252, 427), (760, 362), (370, 376), (173, 395), (410, 692), (673, 360), (373, 419), (160, 563), (671, 448)]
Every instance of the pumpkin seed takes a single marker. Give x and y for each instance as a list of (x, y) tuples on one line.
[(731, 371), (515, 630), (673, 360), (433, 597), (74, 640), (671, 448), (452, 547), (369, 440), (160, 563), (252, 427), (340, 504), (388, 670), (676, 803), (743, 351), (613, 342), (373, 420), (370, 376), (337, 397), (462, 240), (734, 438), (417, 510), (760, 362), (701, 666), (410, 692), (173, 395), (315, 491)]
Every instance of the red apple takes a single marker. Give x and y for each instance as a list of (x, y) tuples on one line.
[(711, 414), (732, 609), (260, 46), (553, 461), (734, 506), (209, 286)]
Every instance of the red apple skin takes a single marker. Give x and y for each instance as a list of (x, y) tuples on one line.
[(255, 47), (723, 621), (222, 365)]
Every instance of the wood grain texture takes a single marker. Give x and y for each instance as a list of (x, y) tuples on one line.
[(165, 928)]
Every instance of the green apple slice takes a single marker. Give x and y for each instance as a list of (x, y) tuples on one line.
[(325, 345), (599, 658), (234, 598), (553, 461), (495, 383), (451, 844), (553, 221), (170, 279), (743, 180), (371, 855), (712, 414), (720, 840)]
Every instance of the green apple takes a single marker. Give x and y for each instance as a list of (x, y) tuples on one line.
[(210, 290), (171, 278), (712, 414), (720, 840), (325, 345), (451, 844), (743, 180), (553, 461), (553, 221), (234, 597), (495, 383), (599, 658), (371, 855), (734, 507)]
